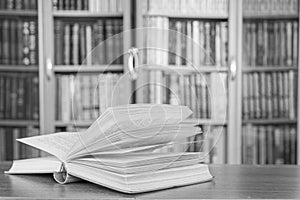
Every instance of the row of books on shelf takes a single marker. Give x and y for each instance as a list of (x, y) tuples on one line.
[(18, 4), (18, 42), (19, 96), (85, 97), (90, 5), (10, 149), (204, 94), (274, 7), (270, 42), (187, 6), (269, 95), (186, 42), (88, 43), (269, 144)]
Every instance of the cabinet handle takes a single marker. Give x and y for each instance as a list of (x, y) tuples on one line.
[(233, 69), (133, 62), (49, 68)]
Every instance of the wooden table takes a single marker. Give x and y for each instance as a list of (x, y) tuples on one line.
[(231, 181)]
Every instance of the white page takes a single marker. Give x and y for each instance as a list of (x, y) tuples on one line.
[(131, 117), (57, 144)]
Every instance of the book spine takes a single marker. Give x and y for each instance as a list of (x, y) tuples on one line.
[(26, 43), (12, 42), (75, 44), (59, 41), (5, 40), (67, 44), (32, 43)]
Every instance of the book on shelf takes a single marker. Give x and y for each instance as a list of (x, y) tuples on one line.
[(121, 151), (270, 43), (187, 40), (10, 149), (19, 42), (18, 5), (93, 6), (217, 7), (265, 144), (269, 95), (274, 7), (19, 96), (88, 43), (83, 97)]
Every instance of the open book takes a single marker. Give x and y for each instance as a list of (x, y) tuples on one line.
[(122, 150)]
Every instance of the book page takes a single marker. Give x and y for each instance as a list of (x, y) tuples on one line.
[(57, 144)]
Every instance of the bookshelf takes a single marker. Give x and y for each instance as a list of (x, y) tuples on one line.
[(59, 70), (189, 78), (19, 82)]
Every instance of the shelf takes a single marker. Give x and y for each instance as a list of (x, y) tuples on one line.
[(206, 122), (269, 121), (269, 16), (31, 13), (188, 15), (88, 14), (268, 68), (87, 69), (73, 123), (18, 68), (19, 123), (186, 69)]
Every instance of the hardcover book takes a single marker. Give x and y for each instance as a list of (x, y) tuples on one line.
[(122, 150)]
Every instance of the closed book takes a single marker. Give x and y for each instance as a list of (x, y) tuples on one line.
[(276, 43), (82, 43), (251, 96), (266, 43), (245, 97), (256, 96), (269, 97), (292, 94), (16, 134), (278, 146), (20, 42), (283, 43), (224, 43), (26, 43), (195, 44), (293, 145), (2, 96), (35, 97), (2, 144), (67, 44), (201, 43), (189, 44), (287, 144), (262, 145), (65, 99), (13, 96), (88, 31), (207, 43), (8, 90), (280, 83), (109, 41), (253, 44), (285, 97), (178, 44), (13, 42), (295, 43), (75, 44), (275, 95), (5, 41), (58, 42), (217, 44), (33, 58), (260, 44), (289, 39), (271, 43), (263, 94), (28, 97), (270, 145)]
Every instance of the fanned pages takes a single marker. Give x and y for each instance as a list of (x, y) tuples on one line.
[(123, 150)]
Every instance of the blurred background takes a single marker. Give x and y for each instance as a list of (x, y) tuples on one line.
[(233, 62)]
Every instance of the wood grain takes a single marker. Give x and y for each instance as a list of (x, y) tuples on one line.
[(231, 181)]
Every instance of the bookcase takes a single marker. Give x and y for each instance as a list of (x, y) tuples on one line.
[(77, 61), (215, 56), (258, 72), (19, 83)]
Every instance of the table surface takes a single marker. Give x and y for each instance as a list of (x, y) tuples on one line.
[(231, 181)]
